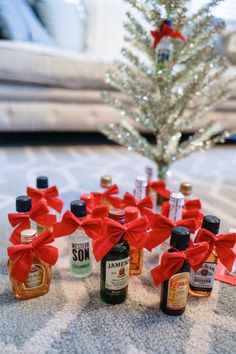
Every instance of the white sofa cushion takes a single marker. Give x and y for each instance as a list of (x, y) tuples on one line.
[(38, 64)]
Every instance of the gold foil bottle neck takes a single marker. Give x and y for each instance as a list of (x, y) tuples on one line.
[(186, 188), (106, 181)]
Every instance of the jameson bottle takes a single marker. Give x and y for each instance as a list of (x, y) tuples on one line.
[(150, 191), (136, 256), (39, 277), (115, 267), (175, 214), (42, 184), (202, 281), (80, 244), (174, 291), (165, 47)]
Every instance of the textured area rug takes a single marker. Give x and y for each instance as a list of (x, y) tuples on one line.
[(71, 318)]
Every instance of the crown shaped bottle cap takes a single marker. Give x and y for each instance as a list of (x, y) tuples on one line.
[(42, 182), (78, 208), (23, 204), (211, 223), (180, 238)]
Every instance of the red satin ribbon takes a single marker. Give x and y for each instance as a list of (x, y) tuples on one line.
[(161, 228), (160, 188), (49, 194), (142, 205), (89, 199), (100, 211), (100, 198), (165, 31), (70, 223), (223, 244), (22, 255), (135, 232), (194, 214), (172, 262), (39, 213), (193, 204)]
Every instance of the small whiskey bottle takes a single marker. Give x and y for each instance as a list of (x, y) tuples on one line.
[(115, 267), (165, 47), (39, 278), (202, 281), (174, 291), (42, 184), (136, 256), (80, 244)]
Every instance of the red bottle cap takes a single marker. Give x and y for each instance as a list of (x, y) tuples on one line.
[(117, 215), (131, 213)]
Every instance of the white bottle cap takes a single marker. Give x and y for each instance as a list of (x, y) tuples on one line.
[(28, 235), (177, 198)]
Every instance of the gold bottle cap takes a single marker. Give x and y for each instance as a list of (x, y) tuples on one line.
[(28, 235), (186, 188), (106, 181)]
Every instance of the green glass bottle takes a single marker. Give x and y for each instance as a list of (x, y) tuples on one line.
[(115, 267)]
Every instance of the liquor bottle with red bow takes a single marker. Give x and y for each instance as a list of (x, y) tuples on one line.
[(38, 280), (136, 256), (115, 267), (165, 47), (174, 291), (42, 184), (80, 244), (202, 281)]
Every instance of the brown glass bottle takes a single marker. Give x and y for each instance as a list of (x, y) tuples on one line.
[(136, 256), (202, 281), (174, 291), (39, 278), (115, 267)]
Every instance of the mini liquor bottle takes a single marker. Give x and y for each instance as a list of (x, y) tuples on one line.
[(39, 278), (42, 184), (115, 267), (174, 291), (150, 191), (175, 214), (80, 244), (202, 281), (136, 256), (165, 47)]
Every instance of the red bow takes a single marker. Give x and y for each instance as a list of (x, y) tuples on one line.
[(89, 199), (70, 223), (49, 194), (193, 204), (39, 213), (160, 188), (223, 245), (142, 205), (161, 228), (100, 211), (173, 261), (100, 198), (194, 214), (22, 255), (135, 232), (165, 31)]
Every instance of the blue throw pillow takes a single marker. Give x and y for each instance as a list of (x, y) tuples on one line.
[(18, 22), (64, 20)]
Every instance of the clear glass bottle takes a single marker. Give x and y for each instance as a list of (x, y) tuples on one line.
[(174, 291), (115, 267), (39, 278), (202, 281), (136, 256), (42, 184), (175, 214), (150, 191), (80, 244)]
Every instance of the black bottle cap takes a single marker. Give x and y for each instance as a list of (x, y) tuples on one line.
[(168, 22), (42, 182), (211, 223), (180, 238), (78, 208), (23, 204)]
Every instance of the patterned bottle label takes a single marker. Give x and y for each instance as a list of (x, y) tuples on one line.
[(80, 259), (134, 258), (35, 278), (177, 295), (117, 274), (204, 277)]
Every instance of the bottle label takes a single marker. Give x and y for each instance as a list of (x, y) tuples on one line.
[(35, 278), (80, 259), (135, 258), (163, 55), (178, 287), (204, 277), (117, 274)]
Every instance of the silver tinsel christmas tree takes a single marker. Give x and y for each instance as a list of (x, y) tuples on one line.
[(168, 93)]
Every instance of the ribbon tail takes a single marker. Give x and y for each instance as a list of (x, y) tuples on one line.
[(156, 238), (226, 256), (15, 237), (101, 247), (157, 275), (48, 254), (55, 203), (21, 267)]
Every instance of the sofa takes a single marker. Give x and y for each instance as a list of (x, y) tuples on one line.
[(45, 88)]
